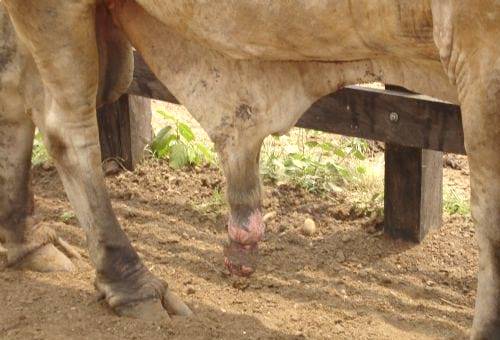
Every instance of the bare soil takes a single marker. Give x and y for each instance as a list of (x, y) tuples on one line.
[(347, 281)]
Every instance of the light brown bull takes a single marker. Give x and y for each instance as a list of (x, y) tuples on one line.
[(245, 69)]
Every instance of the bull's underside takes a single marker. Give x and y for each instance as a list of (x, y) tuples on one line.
[(244, 69)]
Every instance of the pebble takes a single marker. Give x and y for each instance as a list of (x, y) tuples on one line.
[(47, 166), (363, 273), (269, 216), (346, 238), (309, 227), (338, 329), (340, 256), (282, 228), (190, 291)]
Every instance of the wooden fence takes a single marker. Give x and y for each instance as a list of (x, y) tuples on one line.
[(416, 129)]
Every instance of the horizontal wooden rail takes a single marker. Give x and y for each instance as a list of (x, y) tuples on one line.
[(389, 116)]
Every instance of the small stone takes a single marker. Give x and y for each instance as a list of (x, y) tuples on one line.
[(346, 238), (190, 291), (386, 280), (338, 329), (282, 228), (309, 227), (269, 216), (340, 256), (47, 166)]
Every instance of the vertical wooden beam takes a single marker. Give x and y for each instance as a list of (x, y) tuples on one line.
[(413, 191), (125, 129)]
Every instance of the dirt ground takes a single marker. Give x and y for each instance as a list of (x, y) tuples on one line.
[(347, 281)]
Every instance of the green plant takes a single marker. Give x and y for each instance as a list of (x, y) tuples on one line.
[(455, 203), (40, 154), (177, 143), (313, 161), (67, 216)]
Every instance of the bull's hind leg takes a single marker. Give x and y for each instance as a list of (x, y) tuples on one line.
[(479, 83), (471, 57), (66, 54), (481, 118), (28, 245)]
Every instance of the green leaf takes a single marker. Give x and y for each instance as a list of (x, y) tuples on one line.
[(326, 146), (359, 155), (161, 140), (340, 153), (361, 170), (298, 163), (166, 115), (207, 154), (179, 156), (185, 131), (312, 144)]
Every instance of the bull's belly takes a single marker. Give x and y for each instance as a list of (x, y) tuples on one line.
[(328, 30)]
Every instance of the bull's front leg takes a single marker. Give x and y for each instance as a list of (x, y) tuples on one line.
[(240, 162), (66, 55)]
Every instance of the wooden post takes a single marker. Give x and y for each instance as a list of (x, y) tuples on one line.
[(125, 130), (413, 191)]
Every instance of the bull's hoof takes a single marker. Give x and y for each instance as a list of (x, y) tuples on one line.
[(39, 252), (241, 260), (148, 298), (46, 259), (147, 310), (174, 305)]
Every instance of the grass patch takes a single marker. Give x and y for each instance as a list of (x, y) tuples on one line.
[(455, 203), (39, 154)]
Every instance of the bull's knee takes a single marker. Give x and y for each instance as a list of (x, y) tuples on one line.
[(72, 137)]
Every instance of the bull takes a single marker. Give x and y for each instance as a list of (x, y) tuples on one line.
[(244, 69)]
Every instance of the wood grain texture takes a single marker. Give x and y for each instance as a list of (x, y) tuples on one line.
[(125, 129), (389, 116), (413, 201)]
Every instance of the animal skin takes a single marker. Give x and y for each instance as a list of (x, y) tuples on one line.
[(244, 69)]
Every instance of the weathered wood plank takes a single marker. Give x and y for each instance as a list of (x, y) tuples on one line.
[(388, 116), (413, 191)]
